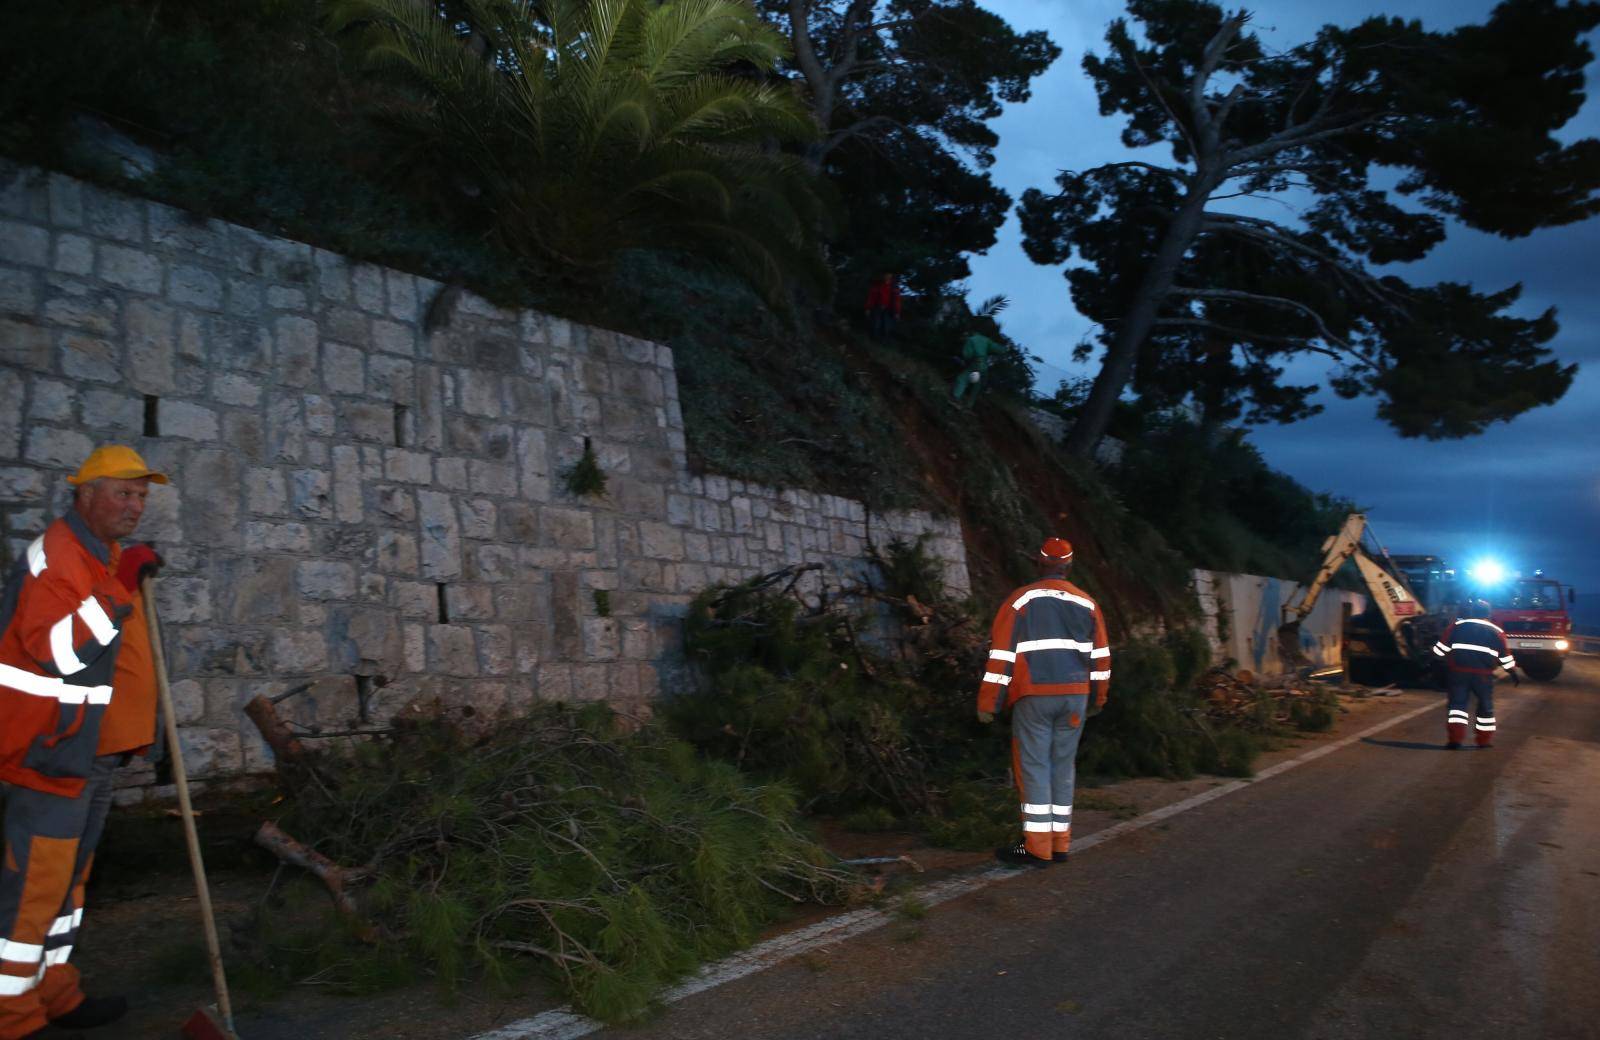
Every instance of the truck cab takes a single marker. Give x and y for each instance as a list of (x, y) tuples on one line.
[(1533, 613)]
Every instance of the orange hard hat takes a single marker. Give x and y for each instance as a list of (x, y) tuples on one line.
[(117, 461), (1057, 550)]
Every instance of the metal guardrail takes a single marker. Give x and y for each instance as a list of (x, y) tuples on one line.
[(1586, 644)]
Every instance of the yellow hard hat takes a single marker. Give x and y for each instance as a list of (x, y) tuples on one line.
[(115, 460)]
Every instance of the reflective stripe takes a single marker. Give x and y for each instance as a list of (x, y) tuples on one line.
[(1486, 721), (1099, 676), (1031, 645), (27, 953), (1035, 810), (1454, 712), (1002, 655), (94, 615), (1509, 662), (1033, 594), (996, 677), (1061, 810), (36, 560), (66, 923), (45, 686), (56, 956), (1099, 652), (17, 985), (1440, 649), (1060, 828), (1480, 621), (1031, 826), (1485, 727), (1475, 646), (67, 662)]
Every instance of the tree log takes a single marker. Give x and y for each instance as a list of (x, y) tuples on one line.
[(334, 877)]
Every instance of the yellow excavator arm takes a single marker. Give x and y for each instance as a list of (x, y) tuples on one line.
[(1390, 593)]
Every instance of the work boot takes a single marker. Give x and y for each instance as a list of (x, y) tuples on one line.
[(93, 1012), (1018, 856), (1058, 857), (1454, 745)]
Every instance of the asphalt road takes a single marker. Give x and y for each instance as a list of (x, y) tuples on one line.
[(1392, 889)]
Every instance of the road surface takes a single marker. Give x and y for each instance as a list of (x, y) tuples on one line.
[(1391, 889)]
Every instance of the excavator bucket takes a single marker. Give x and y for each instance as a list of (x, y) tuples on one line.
[(1290, 653)]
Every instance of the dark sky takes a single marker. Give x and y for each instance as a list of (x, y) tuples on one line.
[(1528, 491)]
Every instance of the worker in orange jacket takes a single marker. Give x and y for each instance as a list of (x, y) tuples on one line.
[(1049, 660), (77, 697)]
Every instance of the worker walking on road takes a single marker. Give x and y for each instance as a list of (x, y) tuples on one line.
[(1472, 647), (77, 697), (1048, 660)]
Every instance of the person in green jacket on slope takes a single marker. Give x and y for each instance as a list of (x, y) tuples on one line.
[(977, 352)]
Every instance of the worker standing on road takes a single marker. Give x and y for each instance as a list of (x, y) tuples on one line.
[(1472, 647), (77, 697), (1048, 658)]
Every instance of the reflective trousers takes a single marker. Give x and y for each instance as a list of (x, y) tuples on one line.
[(1464, 686), (49, 849), (1044, 752)]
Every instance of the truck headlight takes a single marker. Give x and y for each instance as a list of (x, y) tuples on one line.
[(1562, 644)]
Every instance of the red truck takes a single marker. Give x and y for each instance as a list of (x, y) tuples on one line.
[(1533, 612)]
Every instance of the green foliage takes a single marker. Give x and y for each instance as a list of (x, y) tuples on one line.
[(1154, 725), (592, 129), (616, 862), (1209, 305), (1215, 499), (585, 478), (909, 569), (602, 603), (1314, 714)]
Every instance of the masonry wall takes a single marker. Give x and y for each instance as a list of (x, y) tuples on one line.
[(1241, 614), (366, 507)]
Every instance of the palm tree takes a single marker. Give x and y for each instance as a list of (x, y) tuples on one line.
[(593, 127)]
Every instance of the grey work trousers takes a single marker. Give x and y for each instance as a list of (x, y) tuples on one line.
[(1044, 749)]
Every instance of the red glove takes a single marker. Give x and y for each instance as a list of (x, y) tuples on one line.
[(137, 561)]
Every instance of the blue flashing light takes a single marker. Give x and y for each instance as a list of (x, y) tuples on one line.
[(1487, 571)]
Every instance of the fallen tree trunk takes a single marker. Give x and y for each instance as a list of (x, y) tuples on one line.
[(333, 877)]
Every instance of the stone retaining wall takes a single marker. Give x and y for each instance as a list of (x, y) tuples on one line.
[(366, 504)]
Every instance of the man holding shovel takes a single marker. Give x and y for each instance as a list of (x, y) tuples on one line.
[(77, 698)]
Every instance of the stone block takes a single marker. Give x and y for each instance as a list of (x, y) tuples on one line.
[(344, 368), (401, 290), (451, 650), (243, 433), (127, 268), (591, 682), (518, 523), (441, 535), (322, 418), (602, 638), (326, 579), (24, 192), (119, 416), (24, 244), (188, 421), (210, 752), (183, 231), (567, 528), (392, 337), (347, 482), (397, 505), (496, 650), (194, 287), (391, 378), (200, 650), (298, 651), (19, 291), (367, 640), (660, 541), (254, 590), (333, 275), (52, 402), (297, 343), (77, 304), (286, 298), (234, 389), (26, 346), (410, 467), (66, 201), (263, 536), (244, 298), (415, 653), (553, 682), (490, 478), (182, 601), (311, 494), (57, 449), (24, 484), (496, 563), (478, 519), (90, 358), (397, 553), (479, 438), (481, 393), (74, 254), (188, 702), (234, 343), (367, 284), (469, 601)]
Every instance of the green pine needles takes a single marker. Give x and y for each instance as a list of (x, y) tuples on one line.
[(584, 478), (614, 862)]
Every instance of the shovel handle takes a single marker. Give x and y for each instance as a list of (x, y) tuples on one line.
[(180, 777)]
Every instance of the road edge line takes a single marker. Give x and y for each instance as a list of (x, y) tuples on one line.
[(566, 1024)]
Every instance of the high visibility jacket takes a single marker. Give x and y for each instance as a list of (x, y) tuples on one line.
[(61, 626), (1048, 638), (1474, 645)]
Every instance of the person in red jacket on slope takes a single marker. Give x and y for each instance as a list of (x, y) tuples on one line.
[(883, 306)]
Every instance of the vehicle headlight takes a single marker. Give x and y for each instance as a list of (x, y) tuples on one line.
[(1562, 644)]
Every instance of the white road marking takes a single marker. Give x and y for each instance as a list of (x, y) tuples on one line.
[(566, 1024)]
